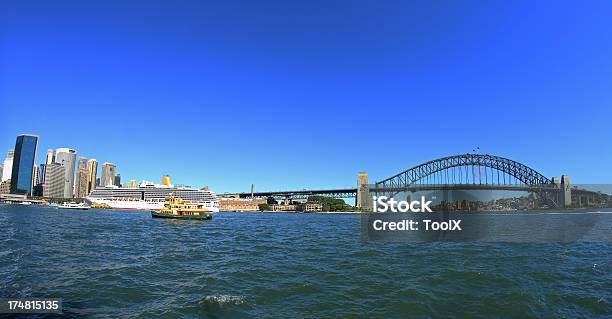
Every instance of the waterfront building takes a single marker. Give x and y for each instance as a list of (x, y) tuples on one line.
[(309, 207), (7, 165), (283, 208), (80, 188), (92, 172), (67, 158), (54, 180), (5, 187), (23, 164), (108, 174), (50, 157), (229, 204), (117, 180)]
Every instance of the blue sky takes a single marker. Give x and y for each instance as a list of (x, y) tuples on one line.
[(305, 94)]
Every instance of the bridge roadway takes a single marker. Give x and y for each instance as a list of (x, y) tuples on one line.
[(352, 192)]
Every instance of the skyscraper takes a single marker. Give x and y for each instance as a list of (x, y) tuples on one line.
[(92, 172), (117, 181), (23, 164), (80, 188), (108, 174), (54, 180), (50, 157), (67, 158), (7, 165)]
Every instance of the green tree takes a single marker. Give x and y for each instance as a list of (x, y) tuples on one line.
[(264, 207)]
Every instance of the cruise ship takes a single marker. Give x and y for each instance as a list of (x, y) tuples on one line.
[(149, 196)]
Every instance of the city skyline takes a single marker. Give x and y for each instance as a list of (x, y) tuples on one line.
[(247, 98)]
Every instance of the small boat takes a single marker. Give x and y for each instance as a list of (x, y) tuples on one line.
[(73, 205), (176, 207), (25, 203)]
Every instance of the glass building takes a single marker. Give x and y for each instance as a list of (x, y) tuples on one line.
[(23, 164)]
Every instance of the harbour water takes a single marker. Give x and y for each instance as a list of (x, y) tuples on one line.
[(112, 264)]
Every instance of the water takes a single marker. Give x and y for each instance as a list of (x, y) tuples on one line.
[(113, 264)]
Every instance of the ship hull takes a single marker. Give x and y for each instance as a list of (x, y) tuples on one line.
[(156, 214), (136, 204)]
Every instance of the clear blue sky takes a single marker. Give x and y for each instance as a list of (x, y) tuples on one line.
[(294, 94)]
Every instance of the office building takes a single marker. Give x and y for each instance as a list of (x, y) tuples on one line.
[(50, 157), (7, 165), (92, 173), (23, 164), (67, 158), (117, 180), (80, 187), (54, 181), (108, 174)]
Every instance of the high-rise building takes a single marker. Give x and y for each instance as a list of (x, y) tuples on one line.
[(80, 187), (23, 164), (1, 169), (117, 181), (7, 165), (40, 174), (55, 174), (97, 181), (50, 157), (34, 175), (108, 174), (67, 158), (132, 184), (92, 172)]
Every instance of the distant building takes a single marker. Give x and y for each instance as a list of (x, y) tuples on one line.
[(309, 207), (7, 165), (67, 158), (108, 174), (1, 169), (40, 175), (283, 208), (97, 181), (5, 187), (54, 181), (50, 157), (228, 204), (23, 164), (92, 173), (117, 180), (80, 188), (132, 184)]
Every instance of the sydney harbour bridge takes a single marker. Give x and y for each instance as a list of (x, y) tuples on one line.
[(457, 172)]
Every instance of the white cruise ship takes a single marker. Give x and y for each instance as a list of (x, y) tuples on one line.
[(149, 196)]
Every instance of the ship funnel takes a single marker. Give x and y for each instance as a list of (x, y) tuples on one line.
[(166, 180)]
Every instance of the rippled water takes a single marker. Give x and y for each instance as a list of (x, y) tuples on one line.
[(126, 264)]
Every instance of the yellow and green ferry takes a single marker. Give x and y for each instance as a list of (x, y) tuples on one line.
[(177, 208)]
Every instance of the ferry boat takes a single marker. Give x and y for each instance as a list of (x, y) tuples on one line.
[(73, 205), (176, 207), (149, 196)]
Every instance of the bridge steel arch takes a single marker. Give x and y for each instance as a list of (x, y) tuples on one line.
[(521, 172)]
